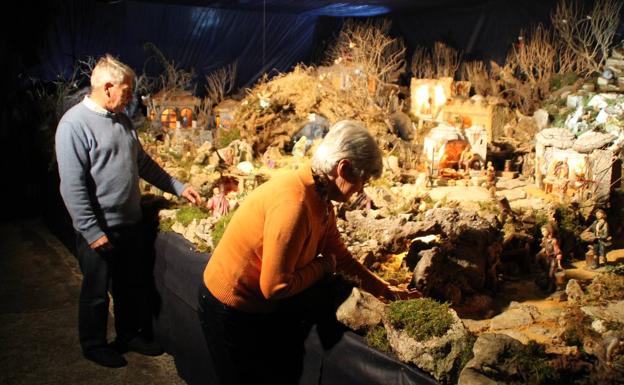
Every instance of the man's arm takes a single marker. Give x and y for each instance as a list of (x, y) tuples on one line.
[(72, 154)]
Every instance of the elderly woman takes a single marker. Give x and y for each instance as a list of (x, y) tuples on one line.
[(281, 241)]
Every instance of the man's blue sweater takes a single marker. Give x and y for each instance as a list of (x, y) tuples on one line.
[(100, 160)]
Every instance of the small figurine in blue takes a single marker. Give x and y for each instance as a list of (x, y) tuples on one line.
[(602, 240)]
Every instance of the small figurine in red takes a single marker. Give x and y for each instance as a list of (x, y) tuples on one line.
[(218, 203), (549, 258)]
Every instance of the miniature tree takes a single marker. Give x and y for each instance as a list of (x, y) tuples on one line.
[(443, 61), (588, 36), (369, 45), (422, 64)]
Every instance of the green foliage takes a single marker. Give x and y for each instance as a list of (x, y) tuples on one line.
[(533, 365), (559, 120), (185, 216), (377, 338), (568, 220), (165, 225), (466, 353), (421, 318), (489, 206), (219, 227), (617, 269), (540, 219), (227, 136), (605, 287), (562, 80)]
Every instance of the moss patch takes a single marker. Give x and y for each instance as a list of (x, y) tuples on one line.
[(377, 338), (421, 318), (219, 228), (185, 216), (563, 79), (605, 287), (533, 364), (227, 136)]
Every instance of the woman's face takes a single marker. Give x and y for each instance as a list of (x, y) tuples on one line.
[(347, 182)]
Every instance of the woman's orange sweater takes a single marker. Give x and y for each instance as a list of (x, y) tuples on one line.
[(270, 247)]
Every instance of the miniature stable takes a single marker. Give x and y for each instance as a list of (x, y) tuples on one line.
[(482, 165)]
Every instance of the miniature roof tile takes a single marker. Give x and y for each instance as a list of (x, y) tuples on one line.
[(592, 140), (556, 137)]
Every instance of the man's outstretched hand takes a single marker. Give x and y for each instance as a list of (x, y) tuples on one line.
[(192, 195)]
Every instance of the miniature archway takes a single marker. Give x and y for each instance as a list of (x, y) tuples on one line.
[(169, 118), (186, 117)]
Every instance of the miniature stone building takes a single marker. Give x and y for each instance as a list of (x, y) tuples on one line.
[(582, 167), (224, 113), (476, 112), (173, 109), (446, 100)]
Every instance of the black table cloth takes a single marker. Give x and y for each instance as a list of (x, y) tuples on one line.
[(337, 357)]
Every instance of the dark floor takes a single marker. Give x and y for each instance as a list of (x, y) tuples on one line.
[(39, 287)]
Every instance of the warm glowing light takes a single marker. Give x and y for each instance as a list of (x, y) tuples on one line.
[(439, 98), (429, 97), (422, 99)]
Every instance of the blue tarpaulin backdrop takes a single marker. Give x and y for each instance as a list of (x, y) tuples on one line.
[(264, 37)]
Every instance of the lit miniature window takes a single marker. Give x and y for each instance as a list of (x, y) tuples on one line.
[(169, 118)]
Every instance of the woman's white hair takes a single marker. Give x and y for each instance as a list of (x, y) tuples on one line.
[(349, 139), (110, 70)]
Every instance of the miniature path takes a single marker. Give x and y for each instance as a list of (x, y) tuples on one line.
[(546, 328)]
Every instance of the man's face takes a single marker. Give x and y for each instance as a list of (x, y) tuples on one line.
[(118, 95)]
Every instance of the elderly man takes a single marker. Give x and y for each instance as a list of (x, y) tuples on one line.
[(100, 160), (281, 242)]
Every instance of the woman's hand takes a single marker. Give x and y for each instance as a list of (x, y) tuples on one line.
[(394, 293)]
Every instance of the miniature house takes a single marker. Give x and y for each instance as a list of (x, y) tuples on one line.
[(582, 168), (224, 113), (173, 109), (435, 144), (446, 100), (469, 112)]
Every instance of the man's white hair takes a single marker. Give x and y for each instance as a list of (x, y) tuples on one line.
[(349, 139), (110, 70)]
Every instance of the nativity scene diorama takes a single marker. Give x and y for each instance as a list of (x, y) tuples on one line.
[(500, 200)]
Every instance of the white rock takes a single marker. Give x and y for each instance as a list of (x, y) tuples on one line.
[(245, 167), (602, 81), (597, 101), (599, 326), (573, 118), (602, 117), (541, 118), (573, 101)]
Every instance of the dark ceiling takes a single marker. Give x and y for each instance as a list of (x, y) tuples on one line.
[(326, 7)]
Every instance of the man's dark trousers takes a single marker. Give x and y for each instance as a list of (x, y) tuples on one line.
[(123, 271)]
